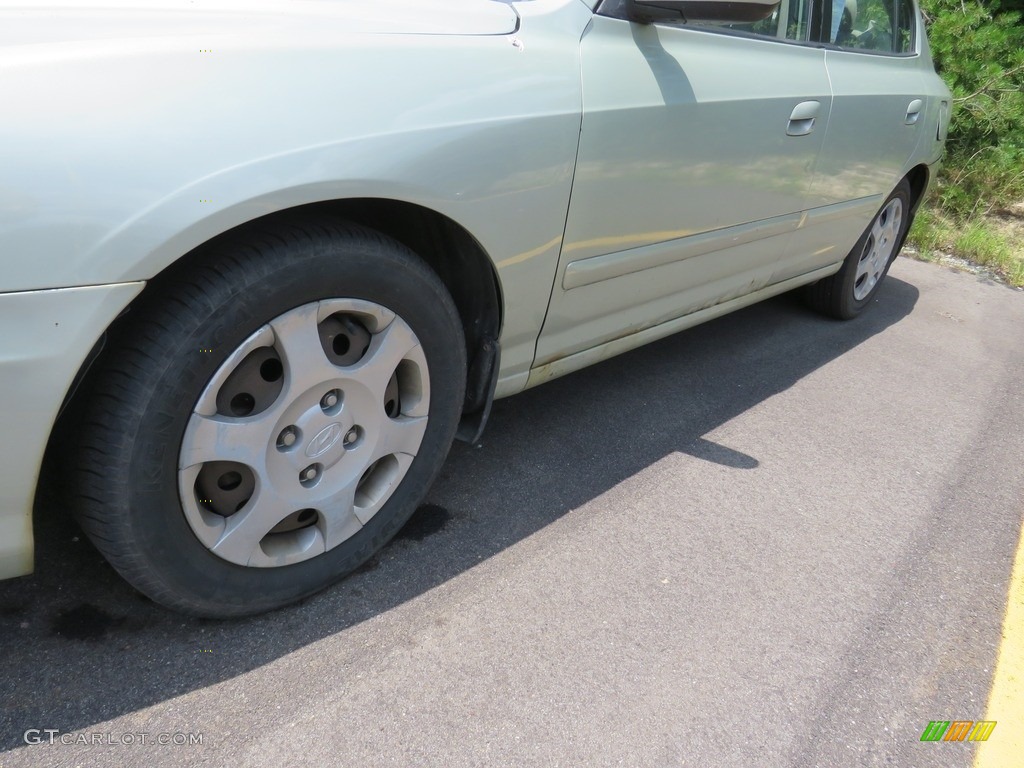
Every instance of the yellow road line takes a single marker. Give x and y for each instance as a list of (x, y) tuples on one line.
[(1005, 747)]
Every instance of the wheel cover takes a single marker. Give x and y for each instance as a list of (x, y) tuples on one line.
[(304, 433), (878, 249)]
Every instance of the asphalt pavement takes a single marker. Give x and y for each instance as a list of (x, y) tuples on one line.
[(771, 540)]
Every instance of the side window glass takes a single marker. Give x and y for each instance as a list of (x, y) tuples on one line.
[(789, 20), (886, 26), (797, 14), (906, 25)]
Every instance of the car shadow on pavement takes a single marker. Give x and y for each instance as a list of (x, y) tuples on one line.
[(81, 647)]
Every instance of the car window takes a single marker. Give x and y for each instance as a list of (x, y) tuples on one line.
[(884, 26), (789, 20)]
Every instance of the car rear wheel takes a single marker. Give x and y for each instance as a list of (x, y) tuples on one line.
[(269, 416), (845, 294)]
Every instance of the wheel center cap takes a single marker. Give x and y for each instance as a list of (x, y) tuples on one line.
[(324, 440)]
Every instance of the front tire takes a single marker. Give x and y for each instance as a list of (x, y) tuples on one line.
[(845, 294), (268, 416)]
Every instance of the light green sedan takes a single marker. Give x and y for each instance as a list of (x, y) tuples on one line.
[(260, 263)]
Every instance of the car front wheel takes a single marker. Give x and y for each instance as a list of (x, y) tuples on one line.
[(268, 416)]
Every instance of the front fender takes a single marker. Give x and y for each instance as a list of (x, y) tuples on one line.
[(120, 158)]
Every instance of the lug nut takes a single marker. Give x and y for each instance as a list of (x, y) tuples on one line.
[(352, 436), (330, 400), (287, 437), (310, 476)]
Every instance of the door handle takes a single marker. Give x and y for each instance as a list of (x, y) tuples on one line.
[(914, 111), (801, 121)]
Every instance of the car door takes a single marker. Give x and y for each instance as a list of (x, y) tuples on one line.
[(697, 148), (878, 119)]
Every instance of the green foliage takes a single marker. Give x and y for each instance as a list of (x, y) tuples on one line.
[(930, 233), (978, 47), (985, 244), (981, 240), (988, 246)]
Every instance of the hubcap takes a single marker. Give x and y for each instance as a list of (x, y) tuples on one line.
[(878, 249), (304, 433)]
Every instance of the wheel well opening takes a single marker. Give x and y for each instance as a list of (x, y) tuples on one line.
[(918, 180), (455, 255), (450, 250), (461, 263)]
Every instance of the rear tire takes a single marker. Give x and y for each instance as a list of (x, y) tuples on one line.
[(268, 415), (847, 293)]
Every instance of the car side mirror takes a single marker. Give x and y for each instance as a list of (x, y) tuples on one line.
[(647, 11)]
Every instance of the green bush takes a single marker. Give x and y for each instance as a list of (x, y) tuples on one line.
[(978, 46)]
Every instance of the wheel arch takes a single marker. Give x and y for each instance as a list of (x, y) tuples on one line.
[(919, 178), (450, 250)]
